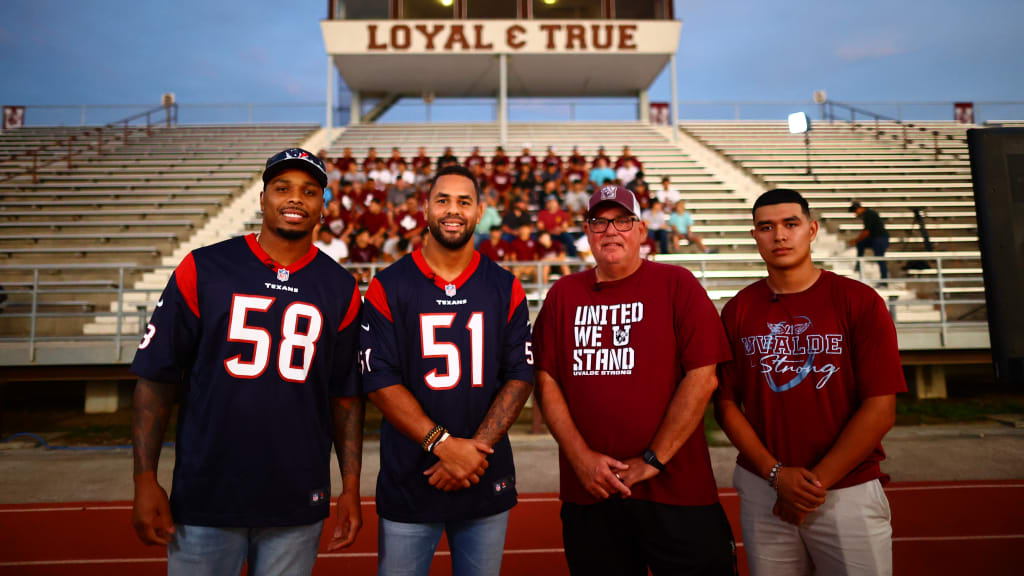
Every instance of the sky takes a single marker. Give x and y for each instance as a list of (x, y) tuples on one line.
[(129, 52)]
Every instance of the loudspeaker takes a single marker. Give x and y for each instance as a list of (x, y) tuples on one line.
[(997, 168)]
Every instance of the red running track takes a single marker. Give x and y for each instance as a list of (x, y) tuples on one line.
[(938, 528)]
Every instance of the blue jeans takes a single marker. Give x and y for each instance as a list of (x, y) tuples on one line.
[(476, 545), (215, 551), (878, 245)]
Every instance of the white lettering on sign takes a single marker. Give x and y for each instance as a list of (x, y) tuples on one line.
[(591, 355)]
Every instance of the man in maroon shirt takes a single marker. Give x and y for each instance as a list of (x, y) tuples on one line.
[(475, 159), (421, 160), (494, 247), (370, 162), (806, 400), (626, 366), (524, 249), (375, 221), (362, 251)]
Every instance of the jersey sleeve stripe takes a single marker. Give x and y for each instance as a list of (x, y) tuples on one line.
[(353, 309), (185, 276), (378, 299), (518, 295)]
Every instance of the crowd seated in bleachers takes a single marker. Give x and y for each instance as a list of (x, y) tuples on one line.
[(531, 208)]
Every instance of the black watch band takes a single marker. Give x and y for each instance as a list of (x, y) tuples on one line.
[(651, 459)]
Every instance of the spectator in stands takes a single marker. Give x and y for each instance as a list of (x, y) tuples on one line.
[(423, 176), (551, 173), (337, 220), (681, 223), (333, 176), (501, 179), (421, 160), (475, 159), (874, 236), (409, 221), (577, 159), (353, 175), (666, 194), (524, 249), (494, 247), (554, 220), (526, 162), (345, 160), (489, 218), (648, 248), (550, 249), (370, 162), (642, 193), (402, 172), (628, 157), (380, 174), (626, 172), (395, 160), (479, 172), (657, 225), (601, 174), (527, 180), (330, 245), (552, 158), (375, 221), (446, 159), (362, 251), (515, 217), (575, 173), (577, 198), (499, 157), (601, 156)]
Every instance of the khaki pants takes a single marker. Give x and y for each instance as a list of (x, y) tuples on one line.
[(850, 534)]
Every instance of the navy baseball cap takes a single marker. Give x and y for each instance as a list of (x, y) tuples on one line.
[(299, 159), (617, 194)]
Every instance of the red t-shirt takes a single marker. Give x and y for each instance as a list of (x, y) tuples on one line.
[(474, 159), (524, 250), (575, 174), (343, 163), (501, 181), (373, 222), (357, 255), (552, 220), (619, 354), (550, 253), (496, 253), (409, 221), (369, 164), (420, 161), (803, 364)]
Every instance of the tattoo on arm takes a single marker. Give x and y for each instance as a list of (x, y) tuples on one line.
[(504, 411), (153, 402), (348, 434)]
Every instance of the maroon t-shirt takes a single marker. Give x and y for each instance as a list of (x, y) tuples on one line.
[(373, 222), (474, 160), (551, 252), (552, 220), (804, 362), (409, 221), (496, 253), (575, 174), (619, 354), (524, 250), (419, 162), (357, 255), (501, 181)]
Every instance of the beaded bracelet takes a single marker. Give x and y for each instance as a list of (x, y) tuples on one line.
[(773, 476), (431, 436)]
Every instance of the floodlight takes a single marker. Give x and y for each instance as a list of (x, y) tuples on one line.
[(447, 3), (799, 123)]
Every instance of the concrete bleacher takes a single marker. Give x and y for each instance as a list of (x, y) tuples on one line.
[(870, 163), (125, 204)]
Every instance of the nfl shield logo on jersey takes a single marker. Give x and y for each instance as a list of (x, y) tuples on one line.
[(283, 274), (449, 290)]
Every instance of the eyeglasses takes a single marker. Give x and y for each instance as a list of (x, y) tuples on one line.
[(622, 223)]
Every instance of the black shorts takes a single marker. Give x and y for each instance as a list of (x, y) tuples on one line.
[(626, 537)]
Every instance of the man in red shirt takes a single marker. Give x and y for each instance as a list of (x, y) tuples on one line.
[(626, 366), (475, 159), (524, 249), (421, 160), (494, 247), (375, 221), (370, 162), (409, 222), (556, 221), (806, 400)]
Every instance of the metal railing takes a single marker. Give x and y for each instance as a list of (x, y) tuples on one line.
[(482, 110), (54, 150), (941, 301), (908, 132)]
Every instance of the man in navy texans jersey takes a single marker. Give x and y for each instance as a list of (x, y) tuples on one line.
[(256, 336), (446, 356)]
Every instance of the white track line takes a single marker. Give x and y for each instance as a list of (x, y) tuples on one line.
[(515, 552), (528, 499)]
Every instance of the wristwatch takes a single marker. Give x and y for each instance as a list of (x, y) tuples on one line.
[(651, 459)]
